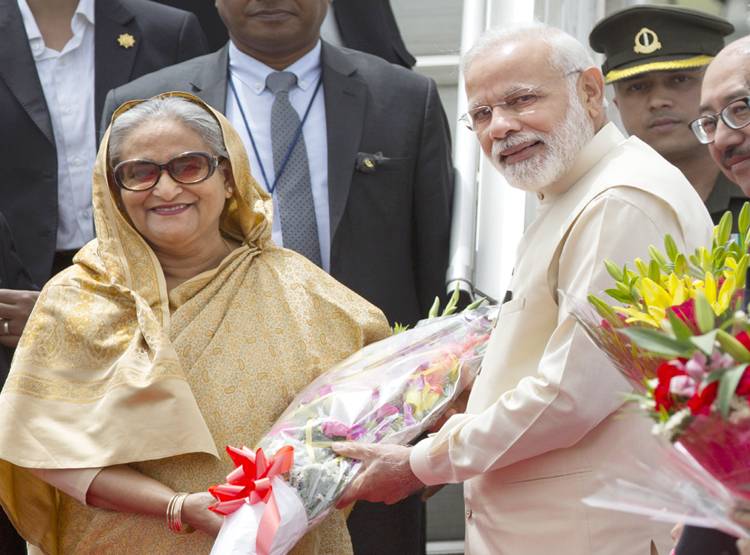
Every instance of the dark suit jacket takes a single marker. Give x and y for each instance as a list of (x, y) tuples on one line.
[(28, 189), (365, 25), (369, 26), (390, 226)]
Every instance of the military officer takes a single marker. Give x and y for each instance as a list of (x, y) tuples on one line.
[(655, 57)]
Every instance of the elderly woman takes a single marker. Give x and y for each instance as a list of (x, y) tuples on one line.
[(181, 329)]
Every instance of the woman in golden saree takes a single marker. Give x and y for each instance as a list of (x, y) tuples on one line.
[(181, 329)]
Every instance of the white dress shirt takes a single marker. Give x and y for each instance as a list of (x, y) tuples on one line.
[(249, 78), (67, 79)]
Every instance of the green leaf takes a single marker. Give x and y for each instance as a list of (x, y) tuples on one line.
[(704, 314), (727, 387), (657, 255), (613, 270), (705, 342), (742, 271), (657, 342), (476, 304), (604, 310), (743, 223), (724, 229), (671, 247), (732, 347), (654, 271), (398, 328), (679, 328), (680, 265), (450, 308), (618, 295), (435, 308)]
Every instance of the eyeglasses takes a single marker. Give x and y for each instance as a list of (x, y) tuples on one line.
[(188, 168), (735, 115), (520, 103)]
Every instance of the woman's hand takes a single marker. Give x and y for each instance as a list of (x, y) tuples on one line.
[(195, 513)]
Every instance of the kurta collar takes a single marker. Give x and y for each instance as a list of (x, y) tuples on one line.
[(603, 142)]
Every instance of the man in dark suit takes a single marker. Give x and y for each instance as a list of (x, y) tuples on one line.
[(131, 38), (57, 63), (364, 25), (12, 276), (384, 227)]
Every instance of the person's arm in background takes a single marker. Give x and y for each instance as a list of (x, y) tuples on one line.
[(17, 292)]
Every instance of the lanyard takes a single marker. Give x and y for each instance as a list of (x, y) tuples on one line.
[(272, 187)]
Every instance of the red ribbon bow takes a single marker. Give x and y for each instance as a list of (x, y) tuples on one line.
[(250, 482)]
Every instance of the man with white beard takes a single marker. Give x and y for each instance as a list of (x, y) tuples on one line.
[(542, 422)]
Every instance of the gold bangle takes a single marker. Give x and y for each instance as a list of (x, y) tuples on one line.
[(174, 514)]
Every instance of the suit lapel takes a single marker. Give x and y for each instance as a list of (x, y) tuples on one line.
[(113, 62), (346, 100), (210, 83), (18, 70)]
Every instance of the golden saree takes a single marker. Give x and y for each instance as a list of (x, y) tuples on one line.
[(113, 369)]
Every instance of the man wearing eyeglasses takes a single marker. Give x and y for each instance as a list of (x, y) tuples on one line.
[(655, 60), (542, 419), (725, 112)]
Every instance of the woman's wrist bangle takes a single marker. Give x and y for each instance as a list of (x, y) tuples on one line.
[(174, 514)]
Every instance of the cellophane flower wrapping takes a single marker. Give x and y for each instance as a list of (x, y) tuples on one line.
[(723, 449), (670, 486), (636, 364), (391, 391)]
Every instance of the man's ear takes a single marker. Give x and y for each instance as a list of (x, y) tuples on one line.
[(591, 90)]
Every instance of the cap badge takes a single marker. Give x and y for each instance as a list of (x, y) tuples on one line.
[(126, 40), (646, 41)]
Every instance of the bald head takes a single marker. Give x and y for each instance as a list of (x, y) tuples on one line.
[(727, 82)]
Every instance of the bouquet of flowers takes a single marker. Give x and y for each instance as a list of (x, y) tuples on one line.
[(390, 391), (669, 302), (682, 339)]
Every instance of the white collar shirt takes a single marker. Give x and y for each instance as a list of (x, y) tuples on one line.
[(249, 78), (67, 79)]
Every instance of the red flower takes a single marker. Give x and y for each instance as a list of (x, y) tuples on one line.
[(686, 313), (743, 338), (664, 374), (743, 388), (701, 402)]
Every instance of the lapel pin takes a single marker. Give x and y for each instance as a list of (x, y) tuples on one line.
[(126, 40)]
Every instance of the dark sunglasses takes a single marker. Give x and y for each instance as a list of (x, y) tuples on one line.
[(188, 168)]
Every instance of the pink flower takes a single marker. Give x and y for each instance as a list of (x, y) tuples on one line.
[(683, 386), (385, 411), (696, 366), (334, 428)]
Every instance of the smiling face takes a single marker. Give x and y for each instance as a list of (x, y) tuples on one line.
[(172, 217), (276, 32), (725, 81), (534, 137), (658, 106)]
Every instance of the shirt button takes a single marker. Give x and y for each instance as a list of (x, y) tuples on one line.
[(468, 513), (540, 196)]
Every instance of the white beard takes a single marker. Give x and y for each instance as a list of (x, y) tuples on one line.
[(562, 147)]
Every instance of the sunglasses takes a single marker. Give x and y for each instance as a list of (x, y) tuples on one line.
[(188, 168)]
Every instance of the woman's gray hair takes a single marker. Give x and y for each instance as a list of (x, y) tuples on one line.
[(567, 54), (173, 108)]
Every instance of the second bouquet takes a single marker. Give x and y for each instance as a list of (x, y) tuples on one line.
[(389, 392)]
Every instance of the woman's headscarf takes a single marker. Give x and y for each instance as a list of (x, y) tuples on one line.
[(96, 380)]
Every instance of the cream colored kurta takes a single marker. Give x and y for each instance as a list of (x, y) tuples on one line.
[(541, 419)]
